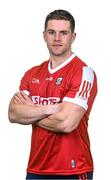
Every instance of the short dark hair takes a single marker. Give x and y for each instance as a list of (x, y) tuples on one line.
[(61, 15)]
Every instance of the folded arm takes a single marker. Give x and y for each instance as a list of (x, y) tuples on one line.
[(63, 117), (22, 110), (66, 120)]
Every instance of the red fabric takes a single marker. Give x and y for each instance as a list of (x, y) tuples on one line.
[(60, 153)]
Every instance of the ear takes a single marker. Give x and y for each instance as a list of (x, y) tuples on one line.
[(73, 37), (44, 35)]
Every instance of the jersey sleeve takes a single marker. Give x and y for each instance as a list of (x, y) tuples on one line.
[(83, 88), (24, 84)]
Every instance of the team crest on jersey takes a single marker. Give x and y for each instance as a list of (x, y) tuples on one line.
[(59, 80)]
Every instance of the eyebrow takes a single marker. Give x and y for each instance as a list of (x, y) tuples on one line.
[(50, 30), (59, 31)]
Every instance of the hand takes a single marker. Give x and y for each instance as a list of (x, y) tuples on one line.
[(52, 109), (22, 98)]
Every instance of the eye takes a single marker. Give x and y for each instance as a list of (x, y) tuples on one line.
[(51, 32), (64, 32)]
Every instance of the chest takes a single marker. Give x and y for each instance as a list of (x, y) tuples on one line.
[(46, 88)]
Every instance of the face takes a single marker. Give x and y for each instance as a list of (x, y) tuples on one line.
[(59, 37)]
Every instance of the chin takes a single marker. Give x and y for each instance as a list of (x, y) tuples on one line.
[(58, 53)]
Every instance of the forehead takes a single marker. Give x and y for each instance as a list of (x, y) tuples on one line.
[(58, 25)]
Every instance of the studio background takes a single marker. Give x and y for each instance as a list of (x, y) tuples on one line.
[(22, 46)]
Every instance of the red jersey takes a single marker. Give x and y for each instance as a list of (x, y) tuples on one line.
[(61, 153)]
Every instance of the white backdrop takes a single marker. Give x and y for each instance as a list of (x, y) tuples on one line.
[(22, 46)]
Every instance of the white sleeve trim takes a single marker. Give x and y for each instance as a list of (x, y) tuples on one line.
[(83, 94), (26, 92), (78, 101)]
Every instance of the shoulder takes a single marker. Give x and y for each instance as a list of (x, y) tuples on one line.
[(78, 62), (80, 65), (88, 73), (81, 73)]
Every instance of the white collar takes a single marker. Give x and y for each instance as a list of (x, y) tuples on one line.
[(51, 71)]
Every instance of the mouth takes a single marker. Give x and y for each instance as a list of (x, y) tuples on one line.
[(57, 45)]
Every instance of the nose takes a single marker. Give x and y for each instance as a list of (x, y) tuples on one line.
[(57, 36)]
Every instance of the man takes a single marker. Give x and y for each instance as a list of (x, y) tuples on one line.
[(56, 97)]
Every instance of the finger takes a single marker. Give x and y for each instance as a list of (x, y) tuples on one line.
[(25, 96), (17, 100), (20, 98)]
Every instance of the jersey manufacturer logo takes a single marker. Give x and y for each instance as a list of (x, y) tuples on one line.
[(49, 78), (59, 80), (45, 101)]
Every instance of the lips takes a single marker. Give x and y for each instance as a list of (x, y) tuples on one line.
[(57, 45)]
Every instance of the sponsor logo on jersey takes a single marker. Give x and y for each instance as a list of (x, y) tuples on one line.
[(59, 80), (45, 101)]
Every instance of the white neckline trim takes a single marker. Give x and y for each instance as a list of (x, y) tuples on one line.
[(51, 71)]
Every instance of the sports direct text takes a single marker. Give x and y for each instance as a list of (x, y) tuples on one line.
[(45, 101)]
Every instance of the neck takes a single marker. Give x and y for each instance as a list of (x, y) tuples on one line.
[(57, 60)]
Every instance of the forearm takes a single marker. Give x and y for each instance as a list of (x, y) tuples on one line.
[(45, 124), (23, 110), (26, 114), (65, 121), (52, 123)]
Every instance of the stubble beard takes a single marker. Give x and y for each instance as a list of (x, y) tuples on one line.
[(57, 54)]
